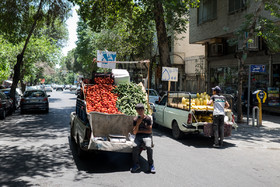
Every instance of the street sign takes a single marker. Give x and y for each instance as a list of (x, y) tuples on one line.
[(169, 74), (257, 68), (106, 56)]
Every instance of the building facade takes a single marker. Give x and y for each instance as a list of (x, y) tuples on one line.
[(190, 60), (212, 25)]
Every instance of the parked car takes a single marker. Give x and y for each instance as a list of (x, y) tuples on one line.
[(18, 95), (153, 95), (73, 88), (31, 88), (59, 88), (35, 100), (6, 105), (67, 87), (48, 88)]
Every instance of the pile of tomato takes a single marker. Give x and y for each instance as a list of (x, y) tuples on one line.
[(103, 80), (99, 97)]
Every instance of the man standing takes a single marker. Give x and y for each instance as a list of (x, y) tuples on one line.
[(220, 104), (143, 135)]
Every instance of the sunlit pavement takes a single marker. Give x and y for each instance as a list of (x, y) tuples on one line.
[(36, 151)]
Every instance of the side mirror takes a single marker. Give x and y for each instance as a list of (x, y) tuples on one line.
[(48, 95), (157, 102)]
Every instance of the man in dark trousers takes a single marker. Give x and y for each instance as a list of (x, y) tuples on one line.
[(142, 129), (220, 104)]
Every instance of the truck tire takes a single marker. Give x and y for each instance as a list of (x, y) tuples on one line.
[(176, 132), (3, 114)]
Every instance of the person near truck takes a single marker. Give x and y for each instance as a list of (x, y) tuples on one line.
[(219, 103), (142, 129)]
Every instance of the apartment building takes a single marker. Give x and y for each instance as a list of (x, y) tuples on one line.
[(212, 25), (190, 60)]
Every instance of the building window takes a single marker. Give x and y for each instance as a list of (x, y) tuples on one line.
[(207, 11), (235, 5)]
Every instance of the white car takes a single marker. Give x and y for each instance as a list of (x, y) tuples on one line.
[(48, 88), (153, 95)]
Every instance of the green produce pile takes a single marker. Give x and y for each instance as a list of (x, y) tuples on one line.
[(128, 96)]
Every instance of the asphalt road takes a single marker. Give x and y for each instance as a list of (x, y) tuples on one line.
[(36, 151)]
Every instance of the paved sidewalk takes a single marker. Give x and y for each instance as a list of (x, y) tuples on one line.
[(265, 136)]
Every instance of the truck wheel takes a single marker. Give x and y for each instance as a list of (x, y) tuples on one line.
[(81, 153), (3, 114), (176, 132)]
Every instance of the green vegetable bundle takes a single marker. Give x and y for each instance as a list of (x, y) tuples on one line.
[(128, 96)]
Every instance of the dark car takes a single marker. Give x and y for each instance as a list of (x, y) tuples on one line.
[(59, 88), (6, 105), (17, 96), (34, 100)]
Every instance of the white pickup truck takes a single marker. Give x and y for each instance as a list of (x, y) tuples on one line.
[(181, 118)]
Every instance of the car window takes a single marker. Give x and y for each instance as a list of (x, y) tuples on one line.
[(34, 93), (152, 93), (163, 101)]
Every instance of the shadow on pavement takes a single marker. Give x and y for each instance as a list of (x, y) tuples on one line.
[(254, 135), (33, 146), (194, 140), (54, 100), (101, 161)]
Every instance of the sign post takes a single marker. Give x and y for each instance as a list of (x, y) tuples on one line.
[(261, 96), (103, 57), (253, 69), (170, 75)]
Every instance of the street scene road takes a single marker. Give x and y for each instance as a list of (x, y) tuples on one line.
[(36, 151)]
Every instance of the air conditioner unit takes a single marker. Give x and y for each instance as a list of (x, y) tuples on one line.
[(216, 49), (254, 46)]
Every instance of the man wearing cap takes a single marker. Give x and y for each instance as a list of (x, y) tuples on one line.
[(142, 129), (220, 104)]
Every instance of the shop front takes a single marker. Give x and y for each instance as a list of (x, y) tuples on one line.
[(224, 72)]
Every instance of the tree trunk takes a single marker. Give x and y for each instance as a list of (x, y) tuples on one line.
[(243, 58), (240, 90), (162, 37), (17, 67)]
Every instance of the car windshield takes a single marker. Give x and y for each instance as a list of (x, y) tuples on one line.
[(34, 93), (152, 93)]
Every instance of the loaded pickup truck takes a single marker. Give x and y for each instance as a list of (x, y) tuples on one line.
[(184, 112)]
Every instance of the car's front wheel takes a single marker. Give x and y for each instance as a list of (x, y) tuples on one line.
[(176, 132)]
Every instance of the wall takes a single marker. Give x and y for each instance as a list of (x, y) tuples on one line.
[(224, 25)]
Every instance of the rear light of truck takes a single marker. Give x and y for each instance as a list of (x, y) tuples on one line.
[(159, 99), (189, 118), (45, 99)]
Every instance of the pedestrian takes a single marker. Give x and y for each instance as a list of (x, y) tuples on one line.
[(142, 129), (220, 104)]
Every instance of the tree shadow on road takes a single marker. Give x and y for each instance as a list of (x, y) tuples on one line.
[(30, 148), (256, 135)]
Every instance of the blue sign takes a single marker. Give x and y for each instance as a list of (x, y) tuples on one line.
[(257, 68)]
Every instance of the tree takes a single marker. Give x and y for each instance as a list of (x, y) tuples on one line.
[(19, 20), (256, 25), (100, 14)]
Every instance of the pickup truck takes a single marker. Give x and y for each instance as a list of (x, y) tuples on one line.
[(182, 118)]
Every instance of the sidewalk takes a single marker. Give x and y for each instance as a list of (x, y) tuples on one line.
[(265, 137), (268, 122)]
